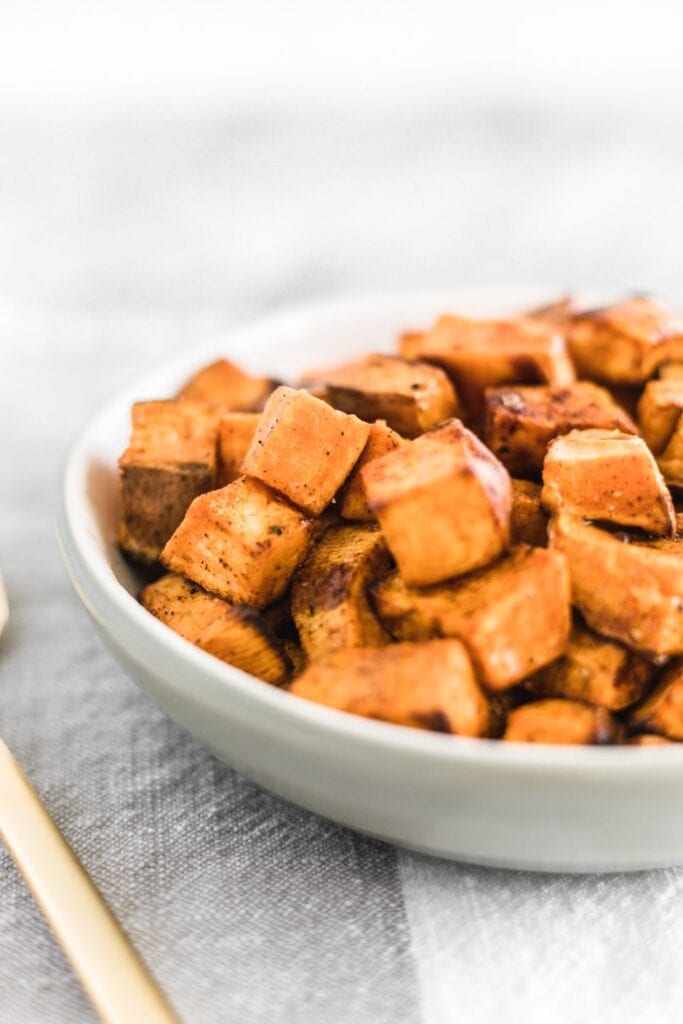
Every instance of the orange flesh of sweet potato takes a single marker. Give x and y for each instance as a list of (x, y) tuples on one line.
[(352, 499), (223, 383), (411, 397), (513, 617), (626, 342), (521, 422), (241, 543), (671, 459), (559, 313), (479, 354), (671, 371), (236, 634), (329, 600), (235, 433), (559, 721), (528, 519), (595, 671), (662, 712), (659, 410), (428, 686), (304, 449), (170, 459), (626, 589), (610, 476), (443, 503)]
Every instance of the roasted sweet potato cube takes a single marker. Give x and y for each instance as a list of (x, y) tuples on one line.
[(521, 422), (235, 433), (170, 459), (659, 410), (558, 313), (513, 617), (648, 739), (222, 383), (595, 671), (610, 476), (625, 342), (236, 634), (671, 371), (671, 459), (428, 686), (241, 543), (560, 721), (626, 589), (329, 599), (479, 354), (352, 500), (409, 343), (304, 449), (443, 502), (662, 712), (412, 397), (528, 520)]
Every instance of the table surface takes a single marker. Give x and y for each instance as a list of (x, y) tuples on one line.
[(125, 239)]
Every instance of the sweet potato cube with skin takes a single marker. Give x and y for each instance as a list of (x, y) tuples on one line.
[(521, 422), (170, 459), (528, 520), (428, 686), (443, 503), (595, 671), (412, 397), (626, 342), (662, 712), (222, 383), (560, 721), (610, 476), (478, 354), (304, 449), (659, 410), (352, 500), (513, 617), (235, 433), (236, 634), (626, 589), (329, 591), (241, 543)]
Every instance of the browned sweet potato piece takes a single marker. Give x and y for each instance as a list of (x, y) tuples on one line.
[(627, 589), (170, 459), (647, 739), (626, 342), (411, 396), (352, 500), (560, 721), (409, 343), (559, 313), (662, 712), (671, 371), (521, 422), (659, 410), (234, 633), (443, 502), (223, 383), (242, 543), (595, 671), (513, 617), (478, 354), (428, 686), (607, 475), (671, 459), (235, 433), (329, 600), (528, 521), (304, 449)]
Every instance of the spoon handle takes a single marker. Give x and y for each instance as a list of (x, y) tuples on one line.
[(112, 974)]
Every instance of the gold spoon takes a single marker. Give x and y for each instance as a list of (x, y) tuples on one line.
[(111, 972)]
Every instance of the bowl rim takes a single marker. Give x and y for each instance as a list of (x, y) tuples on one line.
[(108, 601)]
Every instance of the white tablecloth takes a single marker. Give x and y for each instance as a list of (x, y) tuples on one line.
[(121, 242)]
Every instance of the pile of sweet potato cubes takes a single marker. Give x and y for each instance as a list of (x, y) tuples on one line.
[(476, 535)]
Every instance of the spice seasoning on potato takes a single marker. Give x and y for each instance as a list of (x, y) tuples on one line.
[(428, 686), (610, 476), (560, 721), (241, 543), (489, 611), (352, 499), (222, 383), (528, 518), (304, 449), (236, 634)]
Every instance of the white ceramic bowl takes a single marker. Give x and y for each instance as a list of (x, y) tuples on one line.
[(512, 805)]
